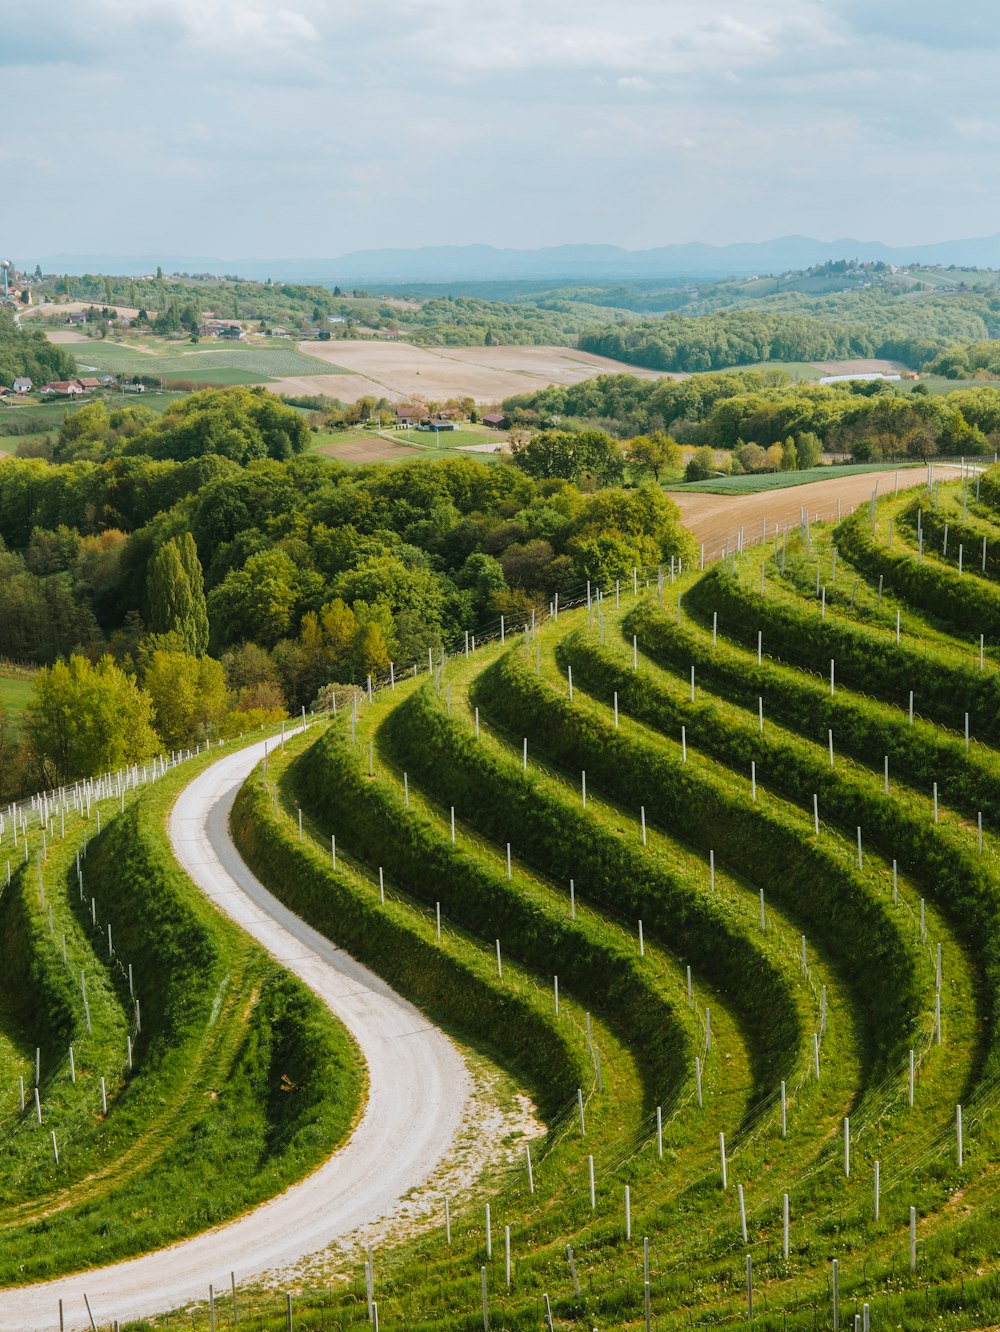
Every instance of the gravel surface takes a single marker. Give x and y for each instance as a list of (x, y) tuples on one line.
[(417, 1094)]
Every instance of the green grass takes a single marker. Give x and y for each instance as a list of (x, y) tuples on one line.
[(38, 418), (447, 439), (798, 370), (412, 445), (755, 484), (195, 1132), (184, 360), (16, 685), (388, 781)]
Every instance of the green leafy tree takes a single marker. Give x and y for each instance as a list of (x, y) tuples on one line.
[(648, 455), (809, 449), (84, 719), (751, 457), (188, 695), (256, 602), (176, 593), (701, 465), (789, 456), (371, 651), (611, 556), (558, 453)]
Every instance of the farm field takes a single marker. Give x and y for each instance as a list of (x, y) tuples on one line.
[(400, 371), (730, 915), (715, 520), (361, 446), (754, 484), (235, 364)]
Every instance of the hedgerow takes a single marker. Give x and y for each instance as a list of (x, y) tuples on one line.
[(862, 726), (765, 843), (942, 858), (867, 660), (451, 984)]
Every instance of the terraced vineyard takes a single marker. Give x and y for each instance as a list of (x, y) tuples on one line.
[(141, 1040), (731, 913), (710, 866)]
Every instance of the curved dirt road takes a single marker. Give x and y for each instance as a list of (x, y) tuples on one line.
[(418, 1086)]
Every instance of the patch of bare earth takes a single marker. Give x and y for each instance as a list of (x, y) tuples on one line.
[(372, 449), (65, 335), (715, 520), (400, 370)]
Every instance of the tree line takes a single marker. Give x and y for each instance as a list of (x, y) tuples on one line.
[(867, 419), (192, 570), (27, 352)]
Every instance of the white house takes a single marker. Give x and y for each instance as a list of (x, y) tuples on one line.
[(22, 385)]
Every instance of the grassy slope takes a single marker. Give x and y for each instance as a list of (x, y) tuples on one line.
[(195, 1133), (698, 1259), (16, 686)]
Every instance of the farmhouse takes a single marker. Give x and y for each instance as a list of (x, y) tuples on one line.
[(220, 328), (409, 416), (77, 317), (22, 385), (88, 384), (64, 388)]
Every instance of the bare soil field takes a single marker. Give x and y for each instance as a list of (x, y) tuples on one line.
[(715, 520), (399, 370), (371, 449)]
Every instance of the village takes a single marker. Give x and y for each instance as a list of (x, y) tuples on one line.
[(70, 388)]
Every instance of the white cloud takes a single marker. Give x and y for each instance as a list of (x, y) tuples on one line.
[(378, 122)]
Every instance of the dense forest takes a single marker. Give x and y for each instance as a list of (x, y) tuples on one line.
[(27, 352), (207, 529), (224, 298), (802, 329), (866, 419)]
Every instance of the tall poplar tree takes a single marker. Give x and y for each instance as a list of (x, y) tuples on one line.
[(176, 591)]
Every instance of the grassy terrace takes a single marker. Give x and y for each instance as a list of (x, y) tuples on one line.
[(16, 684), (464, 790), (188, 1130)]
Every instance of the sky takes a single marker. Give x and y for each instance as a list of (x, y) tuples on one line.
[(295, 128)]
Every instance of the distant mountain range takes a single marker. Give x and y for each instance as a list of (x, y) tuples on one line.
[(455, 263)]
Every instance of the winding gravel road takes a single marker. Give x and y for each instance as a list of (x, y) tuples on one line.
[(418, 1088)]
